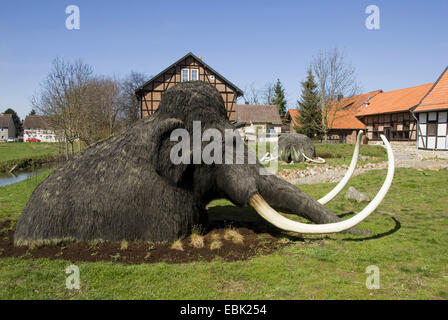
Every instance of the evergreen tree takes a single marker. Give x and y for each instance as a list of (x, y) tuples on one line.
[(16, 120), (310, 114), (279, 98), (32, 112)]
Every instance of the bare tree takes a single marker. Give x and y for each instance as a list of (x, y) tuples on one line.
[(260, 96), (61, 96), (335, 77), (268, 93), (100, 109), (251, 95), (78, 105), (131, 104), (109, 103)]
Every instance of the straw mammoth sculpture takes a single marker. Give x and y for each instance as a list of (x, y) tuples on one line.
[(296, 147), (128, 188)]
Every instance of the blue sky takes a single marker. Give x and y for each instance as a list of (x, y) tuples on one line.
[(249, 42)]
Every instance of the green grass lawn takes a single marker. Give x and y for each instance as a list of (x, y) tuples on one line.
[(408, 244), (14, 197), (22, 150)]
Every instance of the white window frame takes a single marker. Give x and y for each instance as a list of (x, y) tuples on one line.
[(197, 71), (182, 75)]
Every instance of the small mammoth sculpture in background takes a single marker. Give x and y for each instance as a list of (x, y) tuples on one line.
[(296, 147)]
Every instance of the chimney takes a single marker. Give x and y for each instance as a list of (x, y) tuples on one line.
[(246, 102), (340, 96), (367, 102), (200, 57)]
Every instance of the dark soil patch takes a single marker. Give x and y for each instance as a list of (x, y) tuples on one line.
[(143, 252)]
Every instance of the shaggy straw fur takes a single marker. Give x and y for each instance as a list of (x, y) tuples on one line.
[(126, 187)]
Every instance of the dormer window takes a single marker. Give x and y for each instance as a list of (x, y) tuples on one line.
[(185, 75)]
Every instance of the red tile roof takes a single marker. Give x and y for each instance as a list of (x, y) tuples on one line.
[(437, 97), (342, 113), (294, 114), (395, 101)]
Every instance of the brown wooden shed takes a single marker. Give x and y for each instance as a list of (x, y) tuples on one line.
[(187, 68)]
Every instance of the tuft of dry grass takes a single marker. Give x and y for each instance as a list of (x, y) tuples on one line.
[(124, 245), (197, 241), (215, 236), (238, 238), (216, 244), (234, 235), (177, 245), (33, 245), (284, 241)]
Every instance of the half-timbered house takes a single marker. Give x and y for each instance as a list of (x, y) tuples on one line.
[(188, 68), (343, 124), (432, 115), (389, 113)]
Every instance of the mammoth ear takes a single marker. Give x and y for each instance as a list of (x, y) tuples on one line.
[(171, 158)]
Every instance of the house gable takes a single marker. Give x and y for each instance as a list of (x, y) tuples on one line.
[(437, 97), (150, 93), (292, 115)]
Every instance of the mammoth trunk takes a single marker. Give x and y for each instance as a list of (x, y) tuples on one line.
[(287, 198)]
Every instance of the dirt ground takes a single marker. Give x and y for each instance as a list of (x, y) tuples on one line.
[(239, 244)]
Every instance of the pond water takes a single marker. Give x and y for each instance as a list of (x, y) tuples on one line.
[(7, 179)]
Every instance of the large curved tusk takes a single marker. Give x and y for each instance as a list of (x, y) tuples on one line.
[(321, 160), (265, 210), (333, 193)]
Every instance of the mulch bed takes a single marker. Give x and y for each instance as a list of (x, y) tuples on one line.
[(144, 252)]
